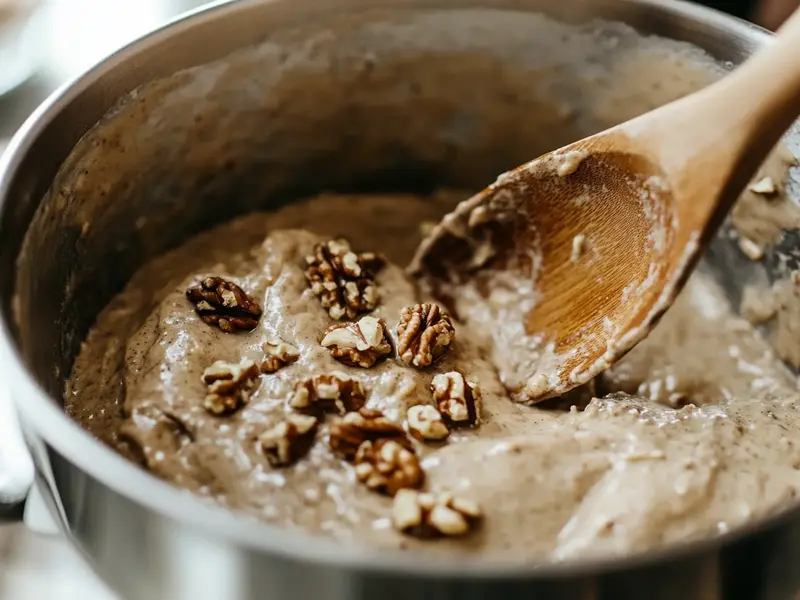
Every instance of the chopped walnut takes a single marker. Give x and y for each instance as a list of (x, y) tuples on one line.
[(764, 186), (335, 391), (431, 515), (386, 466), (224, 304), (278, 354), (426, 423), (343, 280), (229, 385), (359, 344), (751, 249), (355, 428), (457, 399), (289, 440), (424, 333)]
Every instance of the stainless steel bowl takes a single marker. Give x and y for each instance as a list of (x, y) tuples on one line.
[(84, 204)]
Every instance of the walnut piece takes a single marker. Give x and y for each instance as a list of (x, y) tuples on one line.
[(424, 333), (359, 344), (224, 304), (343, 281), (289, 440), (386, 466), (764, 186), (425, 422), (330, 392), (433, 515), (457, 399), (278, 354), (229, 385), (751, 249), (355, 428)]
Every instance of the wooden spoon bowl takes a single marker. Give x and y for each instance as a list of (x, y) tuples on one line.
[(601, 235)]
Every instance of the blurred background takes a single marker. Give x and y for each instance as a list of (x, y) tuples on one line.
[(44, 43)]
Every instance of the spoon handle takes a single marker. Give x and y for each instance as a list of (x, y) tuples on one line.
[(711, 143), (765, 91)]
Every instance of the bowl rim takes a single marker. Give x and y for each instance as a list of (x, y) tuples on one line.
[(43, 417)]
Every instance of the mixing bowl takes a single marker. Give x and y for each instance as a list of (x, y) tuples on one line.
[(251, 104)]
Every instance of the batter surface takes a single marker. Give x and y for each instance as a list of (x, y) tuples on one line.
[(693, 433)]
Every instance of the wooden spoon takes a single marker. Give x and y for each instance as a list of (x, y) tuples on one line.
[(574, 256)]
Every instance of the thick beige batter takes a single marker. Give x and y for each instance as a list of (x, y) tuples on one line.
[(625, 473)]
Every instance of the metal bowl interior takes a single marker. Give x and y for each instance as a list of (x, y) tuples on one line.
[(140, 153)]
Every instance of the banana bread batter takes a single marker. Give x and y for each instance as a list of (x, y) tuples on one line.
[(693, 433)]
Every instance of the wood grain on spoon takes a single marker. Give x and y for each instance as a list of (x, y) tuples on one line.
[(607, 230)]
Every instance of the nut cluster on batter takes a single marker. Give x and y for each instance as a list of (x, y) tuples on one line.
[(383, 453)]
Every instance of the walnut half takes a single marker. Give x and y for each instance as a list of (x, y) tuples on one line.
[(457, 399), (387, 466), (229, 385), (424, 334), (223, 303), (355, 428), (330, 392), (359, 344), (433, 515), (289, 440), (343, 281)]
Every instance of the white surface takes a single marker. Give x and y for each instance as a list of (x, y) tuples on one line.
[(36, 564), (36, 567), (37, 518), (83, 31), (16, 468)]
